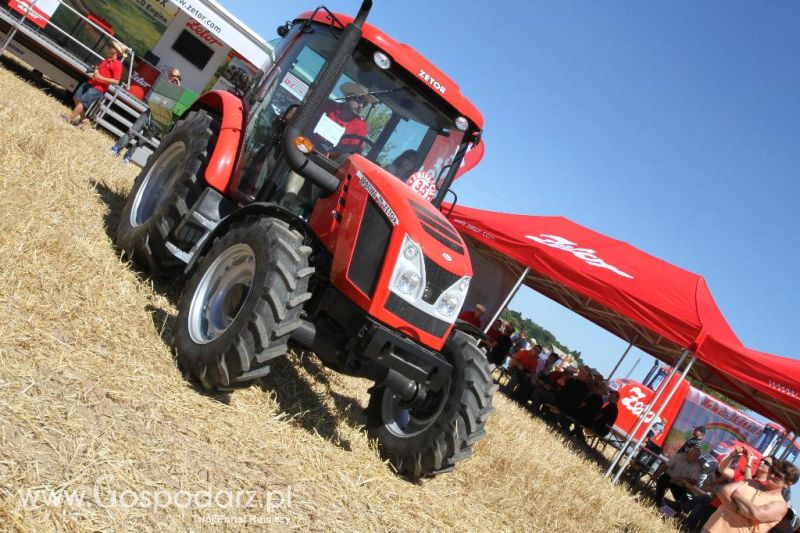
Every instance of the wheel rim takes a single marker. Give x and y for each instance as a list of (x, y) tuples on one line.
[(157, 184), (221, 293), (403, 421)]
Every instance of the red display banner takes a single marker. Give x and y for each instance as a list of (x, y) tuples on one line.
[(143, 78), (37, 11)]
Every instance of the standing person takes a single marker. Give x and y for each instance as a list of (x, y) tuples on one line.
[(523, 373), (608, 414), (749, 506), (140, 124), (502, 344), (108, 72), (473, 317), (574, 392), (521, 341), (695, 440), (683, 467)]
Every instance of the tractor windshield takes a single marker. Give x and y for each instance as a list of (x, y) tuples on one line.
[(387, 115)]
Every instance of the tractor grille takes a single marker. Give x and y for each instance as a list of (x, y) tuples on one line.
[(438, 230), (415, 317), (437, 280), (370, 251)]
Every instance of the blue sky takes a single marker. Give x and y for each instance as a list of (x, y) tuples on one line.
[(674, 126)]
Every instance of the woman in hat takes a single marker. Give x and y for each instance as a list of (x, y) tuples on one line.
[(108, 72)]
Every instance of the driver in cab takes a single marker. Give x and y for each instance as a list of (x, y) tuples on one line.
[(341, 127)]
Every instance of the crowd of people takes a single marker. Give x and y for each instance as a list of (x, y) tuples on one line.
[(746, 493), (547, 382)]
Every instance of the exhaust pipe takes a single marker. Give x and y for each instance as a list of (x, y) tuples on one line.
[(316, 97)]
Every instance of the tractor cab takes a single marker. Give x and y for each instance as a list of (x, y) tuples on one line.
[(388, 105)]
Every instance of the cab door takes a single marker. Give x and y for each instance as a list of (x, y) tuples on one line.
[(261, 173)]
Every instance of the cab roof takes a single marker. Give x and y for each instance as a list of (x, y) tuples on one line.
[(411, 60)]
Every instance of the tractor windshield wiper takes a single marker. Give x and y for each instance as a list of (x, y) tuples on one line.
[(375, 93)]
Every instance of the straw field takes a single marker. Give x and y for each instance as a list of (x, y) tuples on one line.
[(99, 430)]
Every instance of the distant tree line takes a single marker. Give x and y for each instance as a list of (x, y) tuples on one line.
[(542, 336)]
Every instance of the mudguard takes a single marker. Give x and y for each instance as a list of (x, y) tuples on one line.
[(219, 169)]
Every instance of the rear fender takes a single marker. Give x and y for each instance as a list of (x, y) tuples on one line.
[(228, 107)]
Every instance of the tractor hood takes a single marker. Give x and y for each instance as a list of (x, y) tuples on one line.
[(417, 217), (393, 253)]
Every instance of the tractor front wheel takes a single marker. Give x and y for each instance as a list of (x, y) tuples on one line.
[(242, 303), (431, 438)]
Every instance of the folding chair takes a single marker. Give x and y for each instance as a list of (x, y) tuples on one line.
[(501, 375)]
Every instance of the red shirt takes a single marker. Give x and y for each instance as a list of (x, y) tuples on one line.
[(527, 359), (469, 316), (355, 126), (110, 67)]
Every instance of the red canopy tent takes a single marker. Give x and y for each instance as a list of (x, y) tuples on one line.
[(656, 306)]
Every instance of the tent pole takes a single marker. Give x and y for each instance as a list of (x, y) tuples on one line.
[(633, 368), (508, 299), (628, 349), (653, 400), (661, 408)]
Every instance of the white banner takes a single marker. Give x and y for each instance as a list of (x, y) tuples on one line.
[(224, 31)]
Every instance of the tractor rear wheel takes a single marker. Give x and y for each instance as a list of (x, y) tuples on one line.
[(242, 302), (430, 439), (163, 193)]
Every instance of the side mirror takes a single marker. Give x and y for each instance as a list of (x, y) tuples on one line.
[(283, 29)]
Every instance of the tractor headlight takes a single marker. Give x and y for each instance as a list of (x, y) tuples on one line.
[(408, 278), (409, 282), (410, 251), (448, 304)]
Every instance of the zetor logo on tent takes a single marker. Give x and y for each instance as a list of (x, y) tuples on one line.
[(587, 255)]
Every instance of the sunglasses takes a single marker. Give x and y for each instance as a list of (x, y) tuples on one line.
[(174, 76), (768, 464)]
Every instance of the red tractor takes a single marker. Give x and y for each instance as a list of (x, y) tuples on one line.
[(306, 214)]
